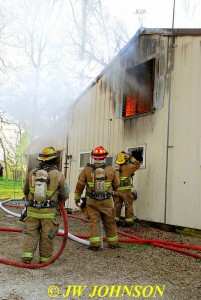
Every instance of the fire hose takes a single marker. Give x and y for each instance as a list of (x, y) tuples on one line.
[(157, 243), (71, 236), (133, 239)]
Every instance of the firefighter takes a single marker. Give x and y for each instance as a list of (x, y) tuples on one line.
[(45, 186), (126, 166), (100, 180)]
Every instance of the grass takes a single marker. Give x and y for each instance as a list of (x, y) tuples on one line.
[(10, 188)]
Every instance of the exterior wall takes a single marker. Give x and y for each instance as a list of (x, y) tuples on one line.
[(94, 122), (184, 175), (150, 181), (94, 125)]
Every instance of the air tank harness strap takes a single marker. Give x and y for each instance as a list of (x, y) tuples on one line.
[(45, 204), (103, 196), (122, 183)]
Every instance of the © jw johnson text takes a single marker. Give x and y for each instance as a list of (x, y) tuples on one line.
[(108, 291)]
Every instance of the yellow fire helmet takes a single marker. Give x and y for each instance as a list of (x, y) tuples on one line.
[(47, 154), (121, 158)]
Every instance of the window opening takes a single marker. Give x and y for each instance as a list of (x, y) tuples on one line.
[(109, 160), (138, 90), (84, 159), (140, 150)]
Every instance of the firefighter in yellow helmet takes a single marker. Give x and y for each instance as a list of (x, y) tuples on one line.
[(45, 186), (100, 180), (126, 166)]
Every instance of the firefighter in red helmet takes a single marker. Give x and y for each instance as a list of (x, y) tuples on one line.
[(45, 186), (126, 166), (100, 180)]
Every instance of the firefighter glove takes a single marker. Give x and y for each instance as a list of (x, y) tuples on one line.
[(83, 204), (77, 203)]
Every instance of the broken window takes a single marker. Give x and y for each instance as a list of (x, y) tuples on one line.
[(138, 90), (140, 151)]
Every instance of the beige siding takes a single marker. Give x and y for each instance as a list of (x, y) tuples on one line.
[(101, 128), (184, 189)]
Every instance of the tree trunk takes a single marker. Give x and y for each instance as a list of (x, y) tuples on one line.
[(4, 158)]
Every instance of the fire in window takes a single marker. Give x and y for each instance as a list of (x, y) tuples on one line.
[(138, 90), (130, 106)]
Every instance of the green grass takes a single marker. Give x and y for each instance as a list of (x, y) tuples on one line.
[(11, 188)]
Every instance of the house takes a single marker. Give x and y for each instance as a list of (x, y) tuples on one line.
[(148, 97)]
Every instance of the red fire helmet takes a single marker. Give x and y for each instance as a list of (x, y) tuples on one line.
[(99, 153)]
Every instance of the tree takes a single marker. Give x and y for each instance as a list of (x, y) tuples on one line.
[(97, 37), (14, 142), (190, 7)]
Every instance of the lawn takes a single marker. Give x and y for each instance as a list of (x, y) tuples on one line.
[(11, 188)]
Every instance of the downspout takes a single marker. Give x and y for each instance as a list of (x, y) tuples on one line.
[(66, 157), (168, 121), (67, 163)]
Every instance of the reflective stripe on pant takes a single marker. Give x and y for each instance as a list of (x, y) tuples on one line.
[(42, 231), (125, 197), (103, 209), (27, 256)]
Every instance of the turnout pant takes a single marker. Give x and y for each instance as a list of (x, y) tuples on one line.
[(101, 210), (40, 231), (124, 197)]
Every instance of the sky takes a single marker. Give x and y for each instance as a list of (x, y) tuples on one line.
[(157, 13)]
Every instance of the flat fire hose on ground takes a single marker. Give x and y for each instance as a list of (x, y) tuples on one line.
[(174, 246)]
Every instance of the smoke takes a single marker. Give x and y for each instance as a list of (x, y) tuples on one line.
[(37, 106)]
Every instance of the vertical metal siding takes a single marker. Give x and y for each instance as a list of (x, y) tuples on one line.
[(116, 135), (184, 193)]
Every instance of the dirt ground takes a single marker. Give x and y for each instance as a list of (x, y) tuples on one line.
[(135, 270)]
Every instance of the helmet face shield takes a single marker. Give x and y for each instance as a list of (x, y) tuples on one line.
[(99, 153), (121, 158), (47, 154)]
